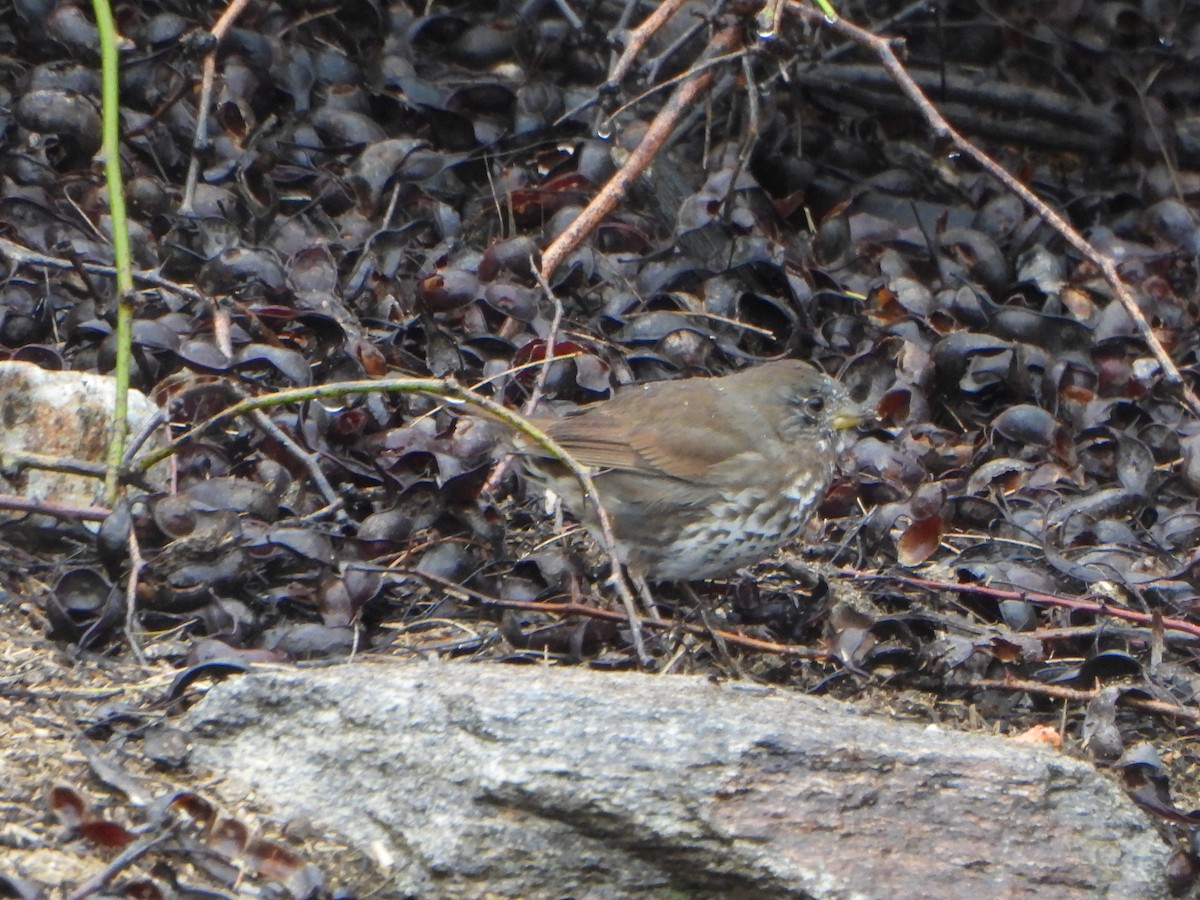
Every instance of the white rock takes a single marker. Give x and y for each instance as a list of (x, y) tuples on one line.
[(60, 414)]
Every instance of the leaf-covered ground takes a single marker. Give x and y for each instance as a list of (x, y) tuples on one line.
[(371, 197)]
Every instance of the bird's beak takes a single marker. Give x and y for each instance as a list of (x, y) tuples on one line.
[(851, 415)]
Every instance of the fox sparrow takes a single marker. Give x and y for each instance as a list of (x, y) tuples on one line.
[(704, 475)]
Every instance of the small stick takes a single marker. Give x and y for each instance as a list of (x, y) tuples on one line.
[(19, 255), (682, 101), (539, 384), (136, 563), (333, 502), (123, 861), (732, 638), (28, 459), (1092, 606), (639, 36), (1061, 692), (209, 72), (17, 503)]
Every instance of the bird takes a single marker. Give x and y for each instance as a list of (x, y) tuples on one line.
[(701, 476)]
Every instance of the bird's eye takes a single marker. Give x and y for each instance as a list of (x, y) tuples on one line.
[(816, 404)]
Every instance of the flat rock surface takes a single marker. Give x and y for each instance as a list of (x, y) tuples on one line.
[(485, 780)]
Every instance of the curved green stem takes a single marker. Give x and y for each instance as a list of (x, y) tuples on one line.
[(827, 8), (455, 393), (111, 150)]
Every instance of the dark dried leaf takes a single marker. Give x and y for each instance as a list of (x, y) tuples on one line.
[(194, 807), (311, 641), (108, 835), (919, 541), (448, 290), (68, 115), (1026, 424), (217, 669), (236, 494), (68, 805), (288, 363), (203, 355)]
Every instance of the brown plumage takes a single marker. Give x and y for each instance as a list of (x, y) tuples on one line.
[(704, 475)]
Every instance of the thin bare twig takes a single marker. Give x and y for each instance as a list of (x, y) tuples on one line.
[(617, 577), (731, 638), (658, 87), (308, 460), (19, 256), (120, 863), (1061, 692), (156, 420), (209, 72), (333, 501), (1097, 607), (27, 459), (539, 384), (136, 564), (637, 37), (882, 48), (682, 101), (1041, 117), (16, 503)]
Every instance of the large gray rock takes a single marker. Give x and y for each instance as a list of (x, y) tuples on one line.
[(483, 780)]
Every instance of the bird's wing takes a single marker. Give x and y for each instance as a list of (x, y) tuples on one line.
[(646, 435)]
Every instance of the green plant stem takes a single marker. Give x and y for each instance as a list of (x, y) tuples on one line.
[(827, 8), (111, 149), (438, 387)]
